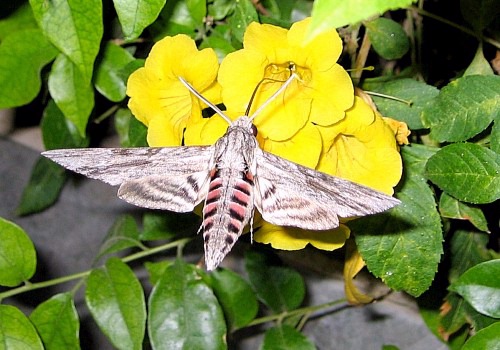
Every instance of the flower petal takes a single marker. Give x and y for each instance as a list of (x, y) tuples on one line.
[(292, 238), (303, 148)]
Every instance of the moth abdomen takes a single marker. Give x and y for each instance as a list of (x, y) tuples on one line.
[(228, 208)]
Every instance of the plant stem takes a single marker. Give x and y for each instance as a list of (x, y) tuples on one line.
[(32, 286), (459, 27), (302, 311)]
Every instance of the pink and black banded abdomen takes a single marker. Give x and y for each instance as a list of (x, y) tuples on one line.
[(228, 208)]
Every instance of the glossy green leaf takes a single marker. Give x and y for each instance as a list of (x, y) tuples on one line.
[(388, 38), (244, 14), (137, 134), (219, 9), (197, 9), (121, 120), (280, 288), (286, 337), (59, 132), (478, 287), (45, 184), (174, 19), (417, 95), (109, 80), (71, 92), (23, 54), (476, 319), (329, 14), (136, 15), (479, 13), (467, 250), (464, 108), (115, 298), (184, 313), (16, 331), (165, 225), (236, 297), (156, 269), (57, 323), (466, 171), (404, 245), (495, 137), (450, 207), (122, 235), (479, 64), (453, 315), (486, 339), (74, 27), (21, 19), (17, 255)]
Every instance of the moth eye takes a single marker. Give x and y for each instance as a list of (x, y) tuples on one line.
[(254, 130)]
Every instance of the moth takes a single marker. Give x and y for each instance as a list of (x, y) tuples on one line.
[(233, 177)]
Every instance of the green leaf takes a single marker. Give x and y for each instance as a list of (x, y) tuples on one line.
[(16, 331), (57, 323), (467, 250), (479, 64), (219, 9), (74, 27), (329, 14), (122, 235), (486, 339), (479, 13), (466, 171), (197, 9), (404, 245), (415, 92), (495, 137), (184, 313), (137, 134), (236, 297), (17, 255), (59, 132), (22, 56), (122, 122), (286, 337), (135, 15), (478, 320), (21, 19), (174, 19), (454, 314), (463, 108), (156, 270), (244, 14), (480, 290), (451, 208), (165, 225), (45, 184), (115, 299), (388, 39), (109, 80), (71, 92), (280, 288)]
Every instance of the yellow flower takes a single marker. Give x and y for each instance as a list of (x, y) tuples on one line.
[(159, 99), (321, 94)]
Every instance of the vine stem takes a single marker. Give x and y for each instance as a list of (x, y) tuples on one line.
[(302, 311), (28, 286), (459, 27)]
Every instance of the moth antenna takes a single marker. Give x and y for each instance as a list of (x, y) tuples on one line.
[(207, 102), (273, 96)]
